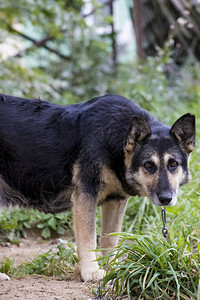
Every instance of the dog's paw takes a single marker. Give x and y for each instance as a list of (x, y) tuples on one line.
[(4, 276), (93, 276)]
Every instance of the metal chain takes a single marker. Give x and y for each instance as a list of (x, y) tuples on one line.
[(164, 219)]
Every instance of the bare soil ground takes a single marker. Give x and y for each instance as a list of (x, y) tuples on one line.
[(38, 287)]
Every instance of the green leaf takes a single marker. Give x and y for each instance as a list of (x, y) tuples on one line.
[(52, 222), (60, 229), (27, 224), (42, 225), (46, 233)]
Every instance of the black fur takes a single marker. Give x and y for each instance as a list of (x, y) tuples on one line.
[(40, 142)]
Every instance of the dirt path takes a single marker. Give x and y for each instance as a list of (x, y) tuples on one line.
[(38, 287)]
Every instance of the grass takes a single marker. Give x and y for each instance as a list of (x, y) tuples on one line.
[(148, 267), (151, 268), (6, 265), (58, 262)]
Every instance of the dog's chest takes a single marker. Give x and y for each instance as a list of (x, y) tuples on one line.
[(110, 187)]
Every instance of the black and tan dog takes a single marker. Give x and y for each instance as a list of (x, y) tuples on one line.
[(55, 157)]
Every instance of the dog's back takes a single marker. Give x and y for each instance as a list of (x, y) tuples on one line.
[(38, 146)]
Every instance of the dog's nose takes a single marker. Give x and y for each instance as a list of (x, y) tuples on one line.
[(165, 199)]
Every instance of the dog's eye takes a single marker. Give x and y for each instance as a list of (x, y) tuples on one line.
[(173, 165), (148, 165)]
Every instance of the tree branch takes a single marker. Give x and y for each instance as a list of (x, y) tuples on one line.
[(40, 43)]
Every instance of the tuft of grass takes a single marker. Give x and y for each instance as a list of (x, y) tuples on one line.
[(59, 261), (148, 267), (6, 265)]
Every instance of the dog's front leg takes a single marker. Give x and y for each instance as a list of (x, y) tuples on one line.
[(112, 216), (84, 215)]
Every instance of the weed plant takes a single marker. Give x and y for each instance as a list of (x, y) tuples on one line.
[(148, 267), (58, 262), (14, 223), (57, 223)]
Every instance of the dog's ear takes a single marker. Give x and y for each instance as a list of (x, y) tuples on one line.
[(138, 130), (184, 131)]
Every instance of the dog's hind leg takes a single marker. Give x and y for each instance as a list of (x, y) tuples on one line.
[(112, 216), (84, 215)]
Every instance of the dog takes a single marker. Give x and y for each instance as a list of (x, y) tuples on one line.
[(55, 157)]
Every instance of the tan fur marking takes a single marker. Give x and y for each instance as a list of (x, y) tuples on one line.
[(111, 185), (84, 213), (155, 158), (128, 157), (129, 147), (166, 158), (84, 220), (76, 173), (176, 178), (111, 215), (188, 162), (190, 147), (146, 180)]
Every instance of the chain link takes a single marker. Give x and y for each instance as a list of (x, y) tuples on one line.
[(164, 219)]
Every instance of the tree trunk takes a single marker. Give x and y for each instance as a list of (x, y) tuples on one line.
[(159, 21)]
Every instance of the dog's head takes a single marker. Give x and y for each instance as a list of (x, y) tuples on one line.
[(157, 158)]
